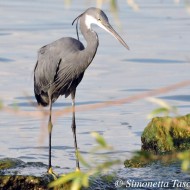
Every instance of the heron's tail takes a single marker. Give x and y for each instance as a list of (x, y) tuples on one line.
[(42, 99)]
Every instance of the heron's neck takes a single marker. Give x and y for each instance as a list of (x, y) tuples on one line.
[(92, 42)]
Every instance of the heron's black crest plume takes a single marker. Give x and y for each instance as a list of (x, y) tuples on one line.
[(77, 20)]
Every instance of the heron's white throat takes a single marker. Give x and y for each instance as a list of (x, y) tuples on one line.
[(89, 20)]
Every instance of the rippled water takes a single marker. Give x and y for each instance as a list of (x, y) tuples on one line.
[(158, 36)]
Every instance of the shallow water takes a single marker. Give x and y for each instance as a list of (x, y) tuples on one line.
[(158, 36)]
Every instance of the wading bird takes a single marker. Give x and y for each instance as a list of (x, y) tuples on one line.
[(61, 65)]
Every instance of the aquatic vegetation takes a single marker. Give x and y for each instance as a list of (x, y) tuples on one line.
[(7, 163), (143, 158), (22, 182), (166, 140), (10, 179), (140, 159), (164, 134)]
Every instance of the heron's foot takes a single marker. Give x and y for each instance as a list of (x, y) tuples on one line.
[(51, 172), (77, 169)]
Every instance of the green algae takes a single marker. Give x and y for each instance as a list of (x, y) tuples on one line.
[(135, 163), (162, 139), (22, 182), (18, 182), (167, 134), (7, 163), (139, 160), (10, 167)]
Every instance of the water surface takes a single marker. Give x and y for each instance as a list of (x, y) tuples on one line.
[(158, 36)]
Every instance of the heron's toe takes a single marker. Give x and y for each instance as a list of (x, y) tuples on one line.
[(77, 169), (51, 172)]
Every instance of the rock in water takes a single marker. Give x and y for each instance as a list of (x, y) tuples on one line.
[(166, 134)]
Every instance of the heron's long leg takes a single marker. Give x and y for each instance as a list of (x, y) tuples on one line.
[(50, 126), (73, 126)]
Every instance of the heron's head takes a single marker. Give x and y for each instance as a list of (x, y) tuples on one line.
[(98, 17)]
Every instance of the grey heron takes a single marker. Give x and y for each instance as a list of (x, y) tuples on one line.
[(61, 65)]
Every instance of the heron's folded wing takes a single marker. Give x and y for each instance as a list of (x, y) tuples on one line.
[(54, 65)]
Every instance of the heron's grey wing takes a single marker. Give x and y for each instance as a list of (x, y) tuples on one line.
[(45, 69), (55, 64), (69, 75)]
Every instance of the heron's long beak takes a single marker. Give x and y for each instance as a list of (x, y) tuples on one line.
[(110, 29)]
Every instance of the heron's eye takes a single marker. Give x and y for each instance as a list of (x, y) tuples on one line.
[(99, 19)]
